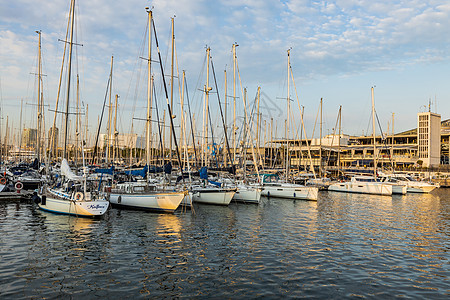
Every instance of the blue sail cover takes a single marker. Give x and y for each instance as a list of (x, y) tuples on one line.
[(109, 171), (203, 173), (139, 172)]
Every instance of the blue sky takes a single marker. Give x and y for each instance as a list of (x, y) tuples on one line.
[(339, 50)]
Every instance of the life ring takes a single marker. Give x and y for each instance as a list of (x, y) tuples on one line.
[(18, 185), (79, 196), (3, 181)]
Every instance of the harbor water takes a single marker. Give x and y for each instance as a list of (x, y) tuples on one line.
[(342, 246)]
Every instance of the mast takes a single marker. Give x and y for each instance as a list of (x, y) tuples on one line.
[(20, 131), (320, 140), (225, 107), (39, 110), (149, 88), (108, 135), (339, 138), (69, 71), (115, 130), (258, 125), (167, 99), (171, 84), (288, 113), (374, 146), (77, 120), (234, 101), (207, 89)]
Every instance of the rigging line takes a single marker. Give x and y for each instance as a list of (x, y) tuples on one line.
[(167, 100), (197, 86), (100, 122), (192, 128), (303, 124), (334, 134), (52, 141), (221, 113), (159, 123)]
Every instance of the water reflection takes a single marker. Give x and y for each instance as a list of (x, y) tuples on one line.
[(342, 245)]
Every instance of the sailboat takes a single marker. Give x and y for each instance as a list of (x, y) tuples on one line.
[(143, 195), (72, 195), (367, 184), (273, 186)]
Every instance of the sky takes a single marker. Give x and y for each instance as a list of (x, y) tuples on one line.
[(338, 51)]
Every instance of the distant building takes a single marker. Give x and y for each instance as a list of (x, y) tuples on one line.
[(123, 141), (29, 137), (429, 138), (53, 145)]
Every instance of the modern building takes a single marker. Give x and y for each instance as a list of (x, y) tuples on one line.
[(123, 141), (53, 138), (29, 137), (429, 139)]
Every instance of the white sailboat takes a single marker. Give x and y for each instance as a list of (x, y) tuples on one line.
[(73, 196), (143, 195), (211, 194), (247, 193), (366, 184), (273, 187), (414, 186), (362, 185)]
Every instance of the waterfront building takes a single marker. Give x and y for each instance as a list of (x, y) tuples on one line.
[(123, 141), (53, 144), (29, 137), (429, 138), (425, 146)]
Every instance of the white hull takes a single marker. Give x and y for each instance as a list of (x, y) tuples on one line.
[(213, 195), (156, 201), (291, 191), (428, 188), (374, 188), (247, 194), (399, 189), (65, 205)]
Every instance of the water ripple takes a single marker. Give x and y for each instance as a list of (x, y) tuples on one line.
[(343, 245)]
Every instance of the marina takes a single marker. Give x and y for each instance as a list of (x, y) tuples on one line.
[(342, 246), (166, 170)]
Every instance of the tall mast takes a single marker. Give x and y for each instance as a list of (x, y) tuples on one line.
[(39, 106), (149, 87), (258, 125), (183, 137), (320, 139), (20, 131), (115, 130), (226, 95), (234, 101), (171, 84), (339, 138), (77, 120), (109, 130), (69, 71), (374, 146), (207, 89), (288, 112)]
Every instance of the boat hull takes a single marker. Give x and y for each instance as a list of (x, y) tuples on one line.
[(291, 192), (93, 208), (213, 196), (361, 188), (421, 188), (158, 201), (247, 194)]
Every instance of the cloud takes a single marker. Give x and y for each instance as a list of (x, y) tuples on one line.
[(328, 38)]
